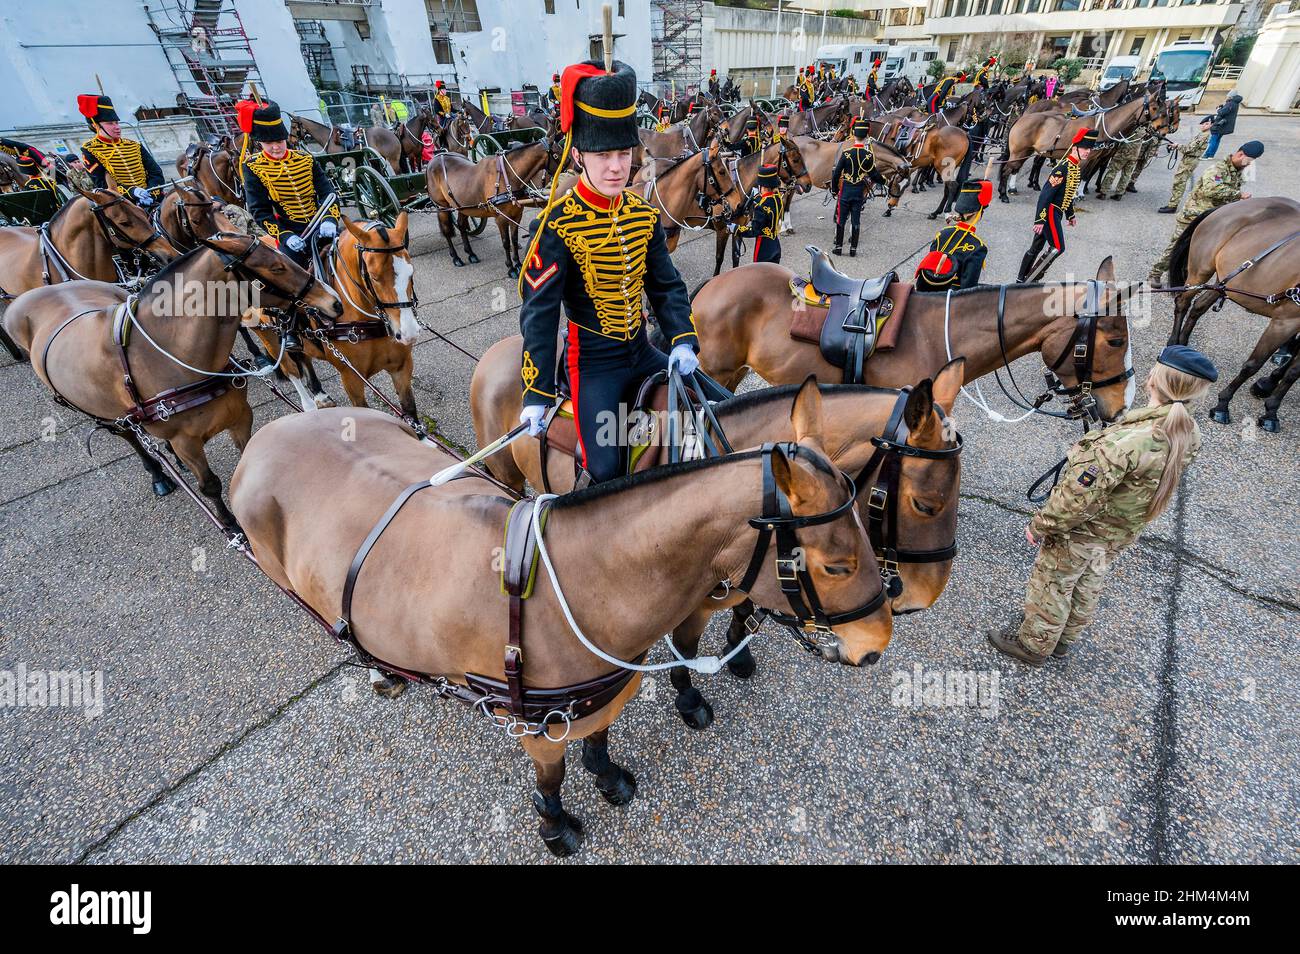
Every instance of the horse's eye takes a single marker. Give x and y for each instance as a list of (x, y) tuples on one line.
[(924, 508), (838, 569), (1115, 342)]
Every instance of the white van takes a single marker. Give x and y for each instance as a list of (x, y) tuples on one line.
[(912, 61), (853, 59), (1119, 68)]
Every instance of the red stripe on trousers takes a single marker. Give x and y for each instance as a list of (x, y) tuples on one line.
[(573, 388), (1055, 235), (758, 240)]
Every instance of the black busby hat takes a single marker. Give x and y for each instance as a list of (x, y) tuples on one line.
[(1189, 361), (597, 108), (861, 128), (751, 124), (262, 121), (96, 109), (975, 194), (783, 121), (768, 177), (1086, 139), (29, 164)]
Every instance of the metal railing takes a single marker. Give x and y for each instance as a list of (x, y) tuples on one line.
[(1226, 72)]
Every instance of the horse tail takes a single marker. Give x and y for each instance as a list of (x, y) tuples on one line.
[(1178, 257)]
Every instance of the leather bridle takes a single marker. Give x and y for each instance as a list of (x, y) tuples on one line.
[(809, 621), (116, 237), (886, 465), (367, 281), (235, 264)]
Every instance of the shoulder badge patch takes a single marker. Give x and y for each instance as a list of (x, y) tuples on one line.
[(1089, 475)]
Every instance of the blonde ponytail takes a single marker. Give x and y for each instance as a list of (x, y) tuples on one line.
[(1168, 385)]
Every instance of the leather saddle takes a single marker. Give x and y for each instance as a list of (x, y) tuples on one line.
[(348, 136), (847, 317), (646, 418), (1077, 113)]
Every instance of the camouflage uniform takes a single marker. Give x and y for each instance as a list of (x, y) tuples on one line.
[(1146, 153), (1189, 156), (1218, 185), (1096, 510), (1119, 171)]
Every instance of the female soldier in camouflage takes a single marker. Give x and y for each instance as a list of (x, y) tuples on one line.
[(1116, 481)]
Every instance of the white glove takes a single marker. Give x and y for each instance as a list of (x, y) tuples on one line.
[(142, 196), (328, 229), (683, 359), (731, 226), (294, 243), (534, 416)]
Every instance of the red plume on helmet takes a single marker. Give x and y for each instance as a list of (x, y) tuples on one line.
[(569, 86), (244, 110), (88, 105), (875, 64), (1079, 134), (986, 192)]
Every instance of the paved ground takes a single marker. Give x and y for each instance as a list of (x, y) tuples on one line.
[(233, 731)]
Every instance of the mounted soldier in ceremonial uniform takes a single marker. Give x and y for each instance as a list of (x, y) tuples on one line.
[(982, 74), (594, 250), (283, 188), (442, 108), (765, 212), (551, 98), (942, 90), (1056, 206), (854, 173), (25, 155), (752, 141), (106, 153), (873, 79), (956, 256), (714, 90)]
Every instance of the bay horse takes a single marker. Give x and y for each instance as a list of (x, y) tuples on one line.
[(379, 138), (370, 268), (499, 187), (743, 321), (79, 241), (455, 622), (853, 416), (677, 190), (1253, 245), (818, 121), (184, 319), (820, 157), (215, 170), (683, 138)]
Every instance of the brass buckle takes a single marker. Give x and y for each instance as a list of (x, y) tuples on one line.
[(877, 498), (789, 563)]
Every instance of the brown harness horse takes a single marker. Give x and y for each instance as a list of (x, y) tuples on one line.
[(214, 169), (820, 121), (683, 138), (453, 628), (1253, 245), (692, 193), (500, 187), (743, 320), (821, 157), (370, 268), (379, 138), (159, 363)]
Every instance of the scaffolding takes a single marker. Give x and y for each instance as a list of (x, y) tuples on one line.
[(209, 54), (678, 43)]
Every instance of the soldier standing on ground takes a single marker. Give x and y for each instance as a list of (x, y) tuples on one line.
[(1188, 156)]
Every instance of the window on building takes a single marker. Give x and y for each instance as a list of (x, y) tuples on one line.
[(952, 50), (1136, 48), (995, 7), (1068, 5), (441, 47), (454, 16), (621, 13), (549, 6)]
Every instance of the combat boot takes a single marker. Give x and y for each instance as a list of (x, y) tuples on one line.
[(1061, 649), (1166, 209), (1007, 641)]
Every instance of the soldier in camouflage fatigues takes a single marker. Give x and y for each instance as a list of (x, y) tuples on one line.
[(1218, 185), (1119, 170), (1188, 156), (1146, 153), (1095, 511)]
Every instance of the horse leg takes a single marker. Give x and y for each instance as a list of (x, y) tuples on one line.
[(401, 378), (354, 386), (503, 229), (690, 702), (445, 227), (742, 664), (945, 203), (1266, 385), (1195, 309), (1268, 420), (317, 394), (720, 237), (190, 449), (390, 687), (561, 832), (1272, 339), (162, 483), (616, 784), (260, 358), (462, 224), (12, 346), (514, 243)]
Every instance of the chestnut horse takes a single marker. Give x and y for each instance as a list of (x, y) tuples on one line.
[(682, 138), (499, 187), (215, 170), (624, 594), (176, 339), (676, 192), (743, 321), (1253, 245), (370, 268), (394, 147)]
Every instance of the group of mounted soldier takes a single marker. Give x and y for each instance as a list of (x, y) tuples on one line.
[(597, 252)]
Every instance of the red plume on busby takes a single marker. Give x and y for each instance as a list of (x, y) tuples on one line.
[(986, 193), (244, 110), (975, 194), (97, 109), (1078, 136), (88, 105), (568, 85), (875, 64)]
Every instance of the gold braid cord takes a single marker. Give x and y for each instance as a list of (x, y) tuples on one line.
[(122, 158)]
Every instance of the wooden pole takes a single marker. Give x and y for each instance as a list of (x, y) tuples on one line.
[(607, 15)]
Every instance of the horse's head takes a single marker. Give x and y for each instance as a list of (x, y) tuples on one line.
[(894, 168), (791, 163), (280, 282), (378, 264), (1089, 348), (127, 226), (929, 479), (833, 554)]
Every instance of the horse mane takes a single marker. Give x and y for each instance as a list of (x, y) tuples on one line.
[(654, 475), (788, 392)]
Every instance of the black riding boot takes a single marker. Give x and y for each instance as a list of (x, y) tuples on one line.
[(853, 244), (1026, 265)]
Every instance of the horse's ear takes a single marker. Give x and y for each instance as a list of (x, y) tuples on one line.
[(1106, 270), (357, 231), (806, 414), (401, 224), (920, 404), (947, 384)]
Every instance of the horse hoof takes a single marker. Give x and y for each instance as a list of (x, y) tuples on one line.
[(621, 791), (694, 709), (389, 687), (888, 212), (562, 837), (162, 486), (513, 272), (473, 259), (1262, 389), (323, 401), (458, 263), (742, 664), (1220, 416), (1269, 424), (932, 216)]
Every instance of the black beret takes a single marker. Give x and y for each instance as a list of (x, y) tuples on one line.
[(1254, 148), (1189, 361)]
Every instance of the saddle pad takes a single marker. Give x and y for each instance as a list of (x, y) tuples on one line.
[(812, 309), (519, 549)]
